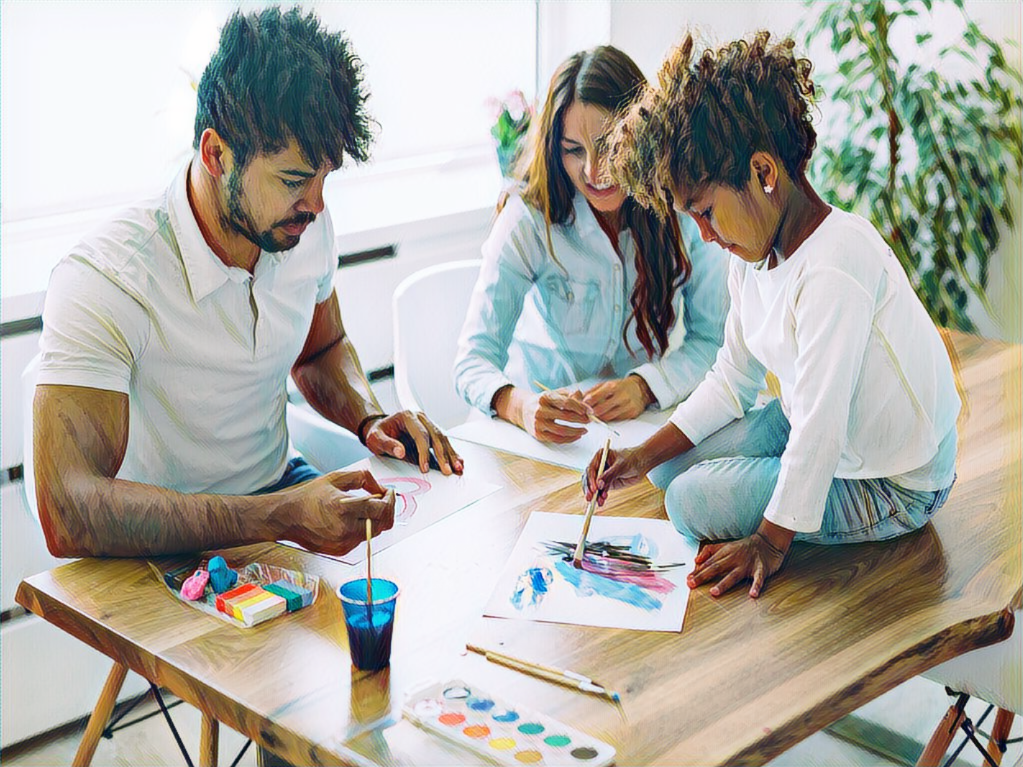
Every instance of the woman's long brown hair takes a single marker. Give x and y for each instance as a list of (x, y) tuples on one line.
[(607, 78)]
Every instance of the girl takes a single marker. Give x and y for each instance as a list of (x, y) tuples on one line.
[(577, 279), (862, 444)]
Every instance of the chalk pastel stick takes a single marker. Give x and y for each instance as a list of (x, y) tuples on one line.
[(282, 590), (256, 596), (175, 578), (306, 594), (259, 610), (226, 600)]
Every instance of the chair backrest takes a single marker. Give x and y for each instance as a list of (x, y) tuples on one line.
[(429, 310), (28, 392), (993, 673)]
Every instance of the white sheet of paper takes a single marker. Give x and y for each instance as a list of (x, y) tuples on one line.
[(502, 435), (422, 499), (542, 586)]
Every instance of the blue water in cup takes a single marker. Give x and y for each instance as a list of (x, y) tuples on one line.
[(369, 626)]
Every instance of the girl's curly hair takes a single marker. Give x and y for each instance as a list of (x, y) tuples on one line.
[(708, 115)]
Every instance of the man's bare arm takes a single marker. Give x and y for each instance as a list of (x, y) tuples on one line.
[(328, 371), (330, 376), (79, 444)]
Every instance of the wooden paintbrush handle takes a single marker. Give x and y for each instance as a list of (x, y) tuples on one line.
[(577, 558)]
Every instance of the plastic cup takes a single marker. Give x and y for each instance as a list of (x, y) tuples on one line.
[(369, 625)]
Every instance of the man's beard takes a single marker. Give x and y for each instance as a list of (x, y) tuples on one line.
[(238, 220)]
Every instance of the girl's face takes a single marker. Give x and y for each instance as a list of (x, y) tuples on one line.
[(582, 155), (743, 223)]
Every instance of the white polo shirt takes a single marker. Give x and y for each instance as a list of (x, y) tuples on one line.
[(144, 307)]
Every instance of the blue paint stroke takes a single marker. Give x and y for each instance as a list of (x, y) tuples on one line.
[(531, 587), (586, 584)]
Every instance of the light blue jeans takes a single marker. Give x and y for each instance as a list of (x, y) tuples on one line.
[(720, 489)]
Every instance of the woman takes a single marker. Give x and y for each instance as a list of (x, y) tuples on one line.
[(578, 282)]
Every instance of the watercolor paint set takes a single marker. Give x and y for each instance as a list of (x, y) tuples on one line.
[(498, 731), (252, 594)]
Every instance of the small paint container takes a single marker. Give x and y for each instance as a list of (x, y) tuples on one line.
[(370, 625)]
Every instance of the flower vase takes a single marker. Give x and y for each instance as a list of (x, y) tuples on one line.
[(506, 159)]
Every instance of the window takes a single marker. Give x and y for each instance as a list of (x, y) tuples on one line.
[(98, 98)]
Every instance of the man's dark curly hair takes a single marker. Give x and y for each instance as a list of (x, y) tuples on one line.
[(707, 117), (280, 76)]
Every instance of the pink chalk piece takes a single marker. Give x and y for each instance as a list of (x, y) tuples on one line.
[(195, 585)]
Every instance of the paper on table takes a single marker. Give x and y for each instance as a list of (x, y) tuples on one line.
[(422, 499), (502, 435), (612, 589)]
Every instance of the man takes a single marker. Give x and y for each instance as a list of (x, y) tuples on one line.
[(169, 334)]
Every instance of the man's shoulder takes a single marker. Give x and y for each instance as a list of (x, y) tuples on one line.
[(138, 231)]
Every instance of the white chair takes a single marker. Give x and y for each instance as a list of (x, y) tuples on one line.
[(429, 309), (29, 376), (993, 674)]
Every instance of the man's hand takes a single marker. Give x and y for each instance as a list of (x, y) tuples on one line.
[(624, 467), (619, 400), (541, 413), (324, 516), (756, 557), (383, 435)]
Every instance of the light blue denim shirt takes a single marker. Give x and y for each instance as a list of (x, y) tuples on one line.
[(530, 320)]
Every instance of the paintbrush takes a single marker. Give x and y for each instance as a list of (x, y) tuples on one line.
[(589, 415), (548, 673), (577, 560), (369, 565)]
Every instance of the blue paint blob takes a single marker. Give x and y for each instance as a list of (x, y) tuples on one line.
[(531, 587), (506, 716), (479, 704), (586, 583)]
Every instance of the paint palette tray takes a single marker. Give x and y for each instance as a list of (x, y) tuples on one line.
[(498, 731)]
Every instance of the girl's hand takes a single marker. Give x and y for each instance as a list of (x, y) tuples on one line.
[(619, 400), (540, 416), (624, 467), (756, 557)]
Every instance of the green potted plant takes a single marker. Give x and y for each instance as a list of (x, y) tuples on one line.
[(927, 146), (512, 117)]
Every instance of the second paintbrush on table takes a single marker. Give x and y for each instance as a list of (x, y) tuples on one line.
[(549, 673)]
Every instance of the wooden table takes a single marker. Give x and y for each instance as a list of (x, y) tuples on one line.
[(743, 682)]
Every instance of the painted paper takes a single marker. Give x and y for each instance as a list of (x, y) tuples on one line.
[(421, 500), (633, 574)]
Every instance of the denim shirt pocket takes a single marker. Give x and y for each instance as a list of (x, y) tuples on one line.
[(571, 305)]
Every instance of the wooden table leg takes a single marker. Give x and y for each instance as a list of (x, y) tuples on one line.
[(100, 716), (208, 741), (1000, 734)]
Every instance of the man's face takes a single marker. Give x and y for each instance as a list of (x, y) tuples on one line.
[(272, 200)]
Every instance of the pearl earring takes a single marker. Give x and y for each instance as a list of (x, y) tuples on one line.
[(768, 189)]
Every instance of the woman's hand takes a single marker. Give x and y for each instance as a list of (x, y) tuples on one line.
[(756, 557), (623, 468), (619, 400), (541, 414)]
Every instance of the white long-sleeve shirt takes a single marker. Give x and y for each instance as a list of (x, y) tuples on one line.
[(866, 382)]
